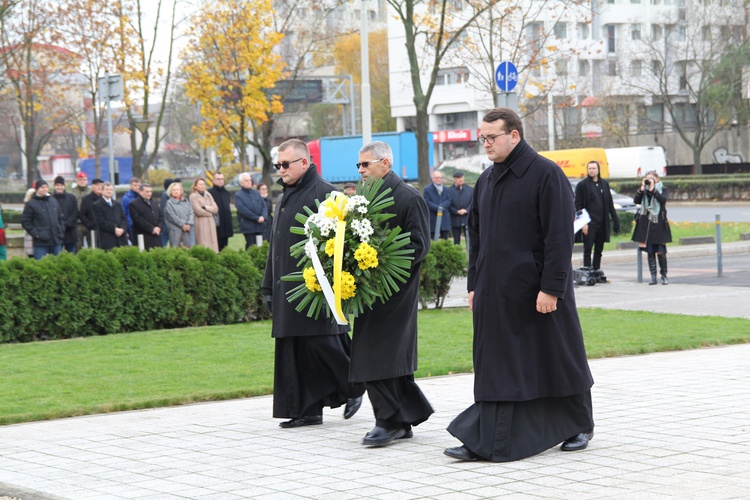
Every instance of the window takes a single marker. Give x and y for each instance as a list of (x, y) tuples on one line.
[(583, 67), (682, 14), (655, 2), (612, 68), (656, 68), (582, 29), (636, 68), (450, 76), (681, 33), (684, 115), (651, 118), (635, 31), (610, 36), (656, 32), (706, 33), (561, 67), (681, 69), (561, 30), (635, 1)]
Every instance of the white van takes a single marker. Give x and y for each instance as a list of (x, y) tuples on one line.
[(636, 161)]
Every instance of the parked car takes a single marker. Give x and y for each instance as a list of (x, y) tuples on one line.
[(622, 202)]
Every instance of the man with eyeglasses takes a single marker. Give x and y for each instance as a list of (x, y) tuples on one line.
[(312, 355), (532, 383), (384, 348), (438, 200)]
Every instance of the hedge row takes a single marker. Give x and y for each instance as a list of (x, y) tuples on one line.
[(97, 293)]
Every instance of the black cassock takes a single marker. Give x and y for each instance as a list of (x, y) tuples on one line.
[(532, 380)]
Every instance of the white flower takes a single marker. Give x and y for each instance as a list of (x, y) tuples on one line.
[(357, 202), (323, 223), (363, 229)]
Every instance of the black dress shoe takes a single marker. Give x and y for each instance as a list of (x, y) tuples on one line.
[(380, 436), (462, 453), (352, 406), (408, 434), (577, 442), (302, 421)]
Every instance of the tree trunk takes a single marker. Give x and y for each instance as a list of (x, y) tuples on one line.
[(697, 167), (423, 147)]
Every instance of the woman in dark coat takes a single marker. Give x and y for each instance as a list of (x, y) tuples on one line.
[(652, 231), (266, 195)]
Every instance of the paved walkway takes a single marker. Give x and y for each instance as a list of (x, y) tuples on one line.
[(669, 425)]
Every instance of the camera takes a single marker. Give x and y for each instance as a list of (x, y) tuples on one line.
[(647, 182)]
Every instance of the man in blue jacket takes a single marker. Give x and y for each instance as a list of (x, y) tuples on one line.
[(252, 210), (127, 198), (438, 200)]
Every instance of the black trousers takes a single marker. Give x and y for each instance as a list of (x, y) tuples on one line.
[(223, 242), (250, 239), (398, 402), (458, 231), (596, 237)]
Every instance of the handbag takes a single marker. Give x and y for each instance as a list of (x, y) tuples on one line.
[(217, 220)]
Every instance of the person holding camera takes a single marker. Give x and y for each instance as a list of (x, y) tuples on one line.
[(652, 231)]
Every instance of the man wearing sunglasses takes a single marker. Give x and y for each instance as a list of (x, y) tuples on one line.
[(312, 355), (532, 383), (384, 348)]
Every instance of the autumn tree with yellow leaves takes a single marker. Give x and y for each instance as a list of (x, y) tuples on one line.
[(231, 69)]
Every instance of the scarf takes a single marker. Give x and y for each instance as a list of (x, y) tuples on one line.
[(650, 205)]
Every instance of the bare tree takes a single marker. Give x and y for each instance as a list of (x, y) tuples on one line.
[(692, 70), (432, 29)]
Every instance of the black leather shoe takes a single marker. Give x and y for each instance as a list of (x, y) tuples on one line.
[(380, 436), (302, 421), (352, 407), (408, 434), (461, 453), (578, 442)]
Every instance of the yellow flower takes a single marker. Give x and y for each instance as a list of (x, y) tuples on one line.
[(311, 282), (348, 288), (366, 256), (329, 246)]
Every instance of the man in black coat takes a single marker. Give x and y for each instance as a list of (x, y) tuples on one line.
[(224, 230), (69, 206), (111, 223), (43, 219), (532, 383), (312, 355), (594, 195), (147, 217), (460, 202), (86, 212), (384, 348)]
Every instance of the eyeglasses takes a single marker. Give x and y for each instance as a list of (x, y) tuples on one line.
[(490, 139), (285, 164), (366, 164)]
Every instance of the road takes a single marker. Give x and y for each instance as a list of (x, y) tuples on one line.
[(706, 212)]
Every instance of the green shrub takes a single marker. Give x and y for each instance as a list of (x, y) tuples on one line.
[(626, 222), (443, 262), (97, 292)]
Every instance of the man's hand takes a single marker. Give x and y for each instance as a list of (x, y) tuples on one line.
[(546, 303), (268, 302), (186, 228), (471, 301), (616, 229), (585, 229), (119, 231), (261, 220), (461, 211), (157, 230)]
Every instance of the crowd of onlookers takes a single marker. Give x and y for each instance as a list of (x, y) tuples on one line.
[(449, 206), (89, 216)]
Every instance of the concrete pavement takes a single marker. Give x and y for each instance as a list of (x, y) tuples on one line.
[(669, 425)]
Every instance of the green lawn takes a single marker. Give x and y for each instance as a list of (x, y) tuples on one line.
[(730, 232), (46, 380)]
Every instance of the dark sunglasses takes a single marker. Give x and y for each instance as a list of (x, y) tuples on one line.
[(285, 164), (366, 164)]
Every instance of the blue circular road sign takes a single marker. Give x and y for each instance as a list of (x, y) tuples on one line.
[(506, 76)]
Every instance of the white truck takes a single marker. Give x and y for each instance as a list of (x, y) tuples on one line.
[(636, 161)]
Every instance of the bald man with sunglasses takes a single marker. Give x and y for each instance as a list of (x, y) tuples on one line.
[(311, 367)]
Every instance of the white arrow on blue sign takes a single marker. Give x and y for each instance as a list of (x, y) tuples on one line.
[(506, 76)]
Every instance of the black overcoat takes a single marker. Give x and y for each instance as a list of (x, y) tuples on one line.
[(384, 341), (460, 199), (223, 199), (69, 206), (146, 217), (286, 321), (521, 234), (659, 231), (107, 219), (591, 197)]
